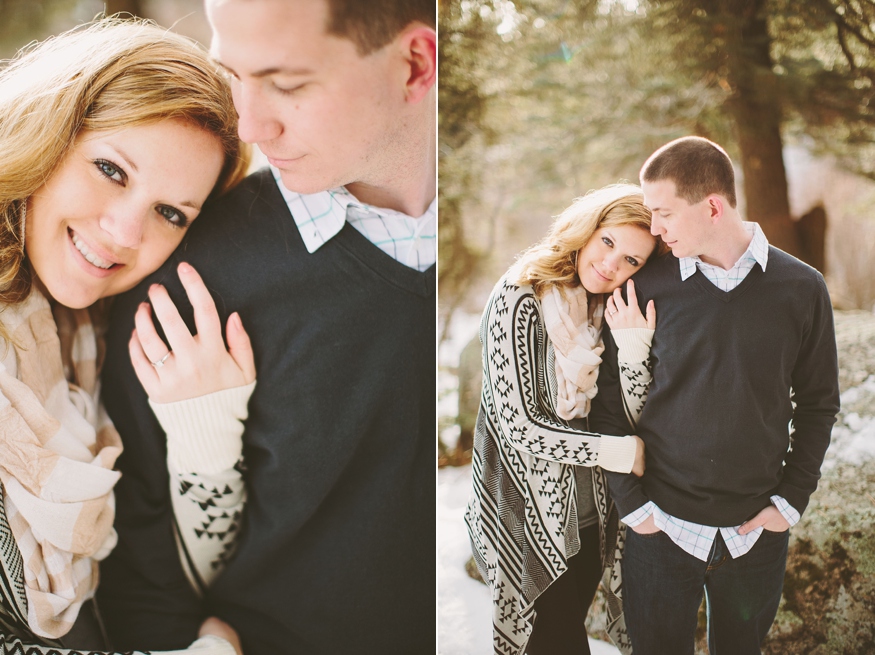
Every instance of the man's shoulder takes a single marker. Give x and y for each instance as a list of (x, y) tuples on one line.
[(255, 194), (660, 269), (786, 264)]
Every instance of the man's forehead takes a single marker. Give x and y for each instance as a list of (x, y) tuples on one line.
[(659, 193), (265, 37)]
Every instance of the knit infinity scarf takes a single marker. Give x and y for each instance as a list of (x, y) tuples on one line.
[(57, 450), (574, 329)]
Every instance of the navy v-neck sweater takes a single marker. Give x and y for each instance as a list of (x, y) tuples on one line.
[(337, 550), (731, 371)]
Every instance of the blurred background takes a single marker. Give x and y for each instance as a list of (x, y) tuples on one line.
[(22, 21), (542, 100)]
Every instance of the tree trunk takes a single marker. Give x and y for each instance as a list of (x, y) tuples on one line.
[(133, 7), (756, 111)]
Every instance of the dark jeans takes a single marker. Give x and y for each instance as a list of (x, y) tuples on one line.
[(561, 610), (663, 585)]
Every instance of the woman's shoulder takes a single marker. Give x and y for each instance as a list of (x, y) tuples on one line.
[(507, 287)]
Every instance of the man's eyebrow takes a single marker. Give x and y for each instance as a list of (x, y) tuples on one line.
[(266, 72)]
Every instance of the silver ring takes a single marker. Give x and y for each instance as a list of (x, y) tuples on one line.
[(611, 313), (161, 361)]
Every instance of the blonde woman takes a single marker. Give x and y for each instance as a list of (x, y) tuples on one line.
[(541, 523), (112, 137)]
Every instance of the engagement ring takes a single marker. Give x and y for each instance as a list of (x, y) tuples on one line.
[(161, 361)]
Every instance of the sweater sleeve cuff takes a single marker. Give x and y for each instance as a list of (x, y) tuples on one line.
[(205, 434), (616, 453), (633, 344)]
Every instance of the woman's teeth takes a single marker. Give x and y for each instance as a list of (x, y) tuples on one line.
[(90, 256)]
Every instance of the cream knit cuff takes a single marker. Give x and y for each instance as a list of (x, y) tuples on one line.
[(616, 453), (633, 344), (205, 434)]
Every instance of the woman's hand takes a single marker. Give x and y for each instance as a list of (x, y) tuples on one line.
[(620, 315), (195, 365), (218, 628), (638, 466)]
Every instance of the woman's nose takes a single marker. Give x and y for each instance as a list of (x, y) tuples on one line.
[(124, 224), (611, 262)]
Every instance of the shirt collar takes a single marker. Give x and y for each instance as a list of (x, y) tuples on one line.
[(320, 216), (758, 250)]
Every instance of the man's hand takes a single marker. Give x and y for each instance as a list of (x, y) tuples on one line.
[(648, 526), (769, 518), (218, 628), (638, 466)]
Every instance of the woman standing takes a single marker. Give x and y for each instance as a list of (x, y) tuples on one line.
[(541, 523)]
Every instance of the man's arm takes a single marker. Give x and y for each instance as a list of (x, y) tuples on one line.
[(144, 595), (815, 393)]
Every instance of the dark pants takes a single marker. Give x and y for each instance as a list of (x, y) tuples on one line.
[(663, 585), (561, 610)]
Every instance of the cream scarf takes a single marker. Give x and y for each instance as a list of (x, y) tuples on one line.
[(574, 327), (56, 457)]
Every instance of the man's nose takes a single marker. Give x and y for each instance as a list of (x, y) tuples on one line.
[(256, 122)]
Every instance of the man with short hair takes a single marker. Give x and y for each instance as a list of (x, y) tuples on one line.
[(744, 347), (328, 256)]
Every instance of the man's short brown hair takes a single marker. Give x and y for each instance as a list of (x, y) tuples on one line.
[(697, 166), (371, 24)]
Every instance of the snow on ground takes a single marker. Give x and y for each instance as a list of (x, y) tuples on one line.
[(464, 608), (853, 437)]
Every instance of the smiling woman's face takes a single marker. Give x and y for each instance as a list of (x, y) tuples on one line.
[(612, 256), (117, 207)]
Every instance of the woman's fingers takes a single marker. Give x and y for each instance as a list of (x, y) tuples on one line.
[(150, 343), (240, 347), (651, 315), (174, 327), (630, 293), (146, 373), (617, 297), (206, 318)]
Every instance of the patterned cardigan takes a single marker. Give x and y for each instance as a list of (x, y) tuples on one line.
[(66, 343), (522, 515)]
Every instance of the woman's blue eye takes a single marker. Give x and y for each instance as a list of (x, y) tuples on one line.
[(632, 261), (110, 170), (608, 242), (172, 215)]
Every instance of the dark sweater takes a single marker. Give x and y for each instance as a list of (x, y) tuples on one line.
[(716, 420), (337, 552)]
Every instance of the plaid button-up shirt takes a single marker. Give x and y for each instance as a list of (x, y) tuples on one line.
[(320, 216)]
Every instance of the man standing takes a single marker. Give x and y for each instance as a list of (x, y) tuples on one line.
[(744, 347), (328, 256)]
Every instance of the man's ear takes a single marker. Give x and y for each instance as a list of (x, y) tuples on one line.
[(715, 207), (419, 48)]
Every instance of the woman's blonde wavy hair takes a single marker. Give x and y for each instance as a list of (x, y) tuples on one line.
[(553, 260), (110, 74)]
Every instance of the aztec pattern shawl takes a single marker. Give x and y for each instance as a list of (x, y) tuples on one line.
[(522, 515), (56, 459)]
